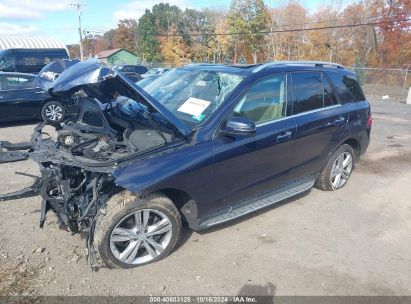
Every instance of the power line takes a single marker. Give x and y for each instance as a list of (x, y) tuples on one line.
[(336, 20), (286, 31)]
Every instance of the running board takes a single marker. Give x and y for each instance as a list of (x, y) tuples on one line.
[(261, 201)]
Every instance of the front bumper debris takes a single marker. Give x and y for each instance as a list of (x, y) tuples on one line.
[(33, 190), (10, 152)]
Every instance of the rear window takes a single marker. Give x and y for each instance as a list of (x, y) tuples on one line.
[(348, 87)]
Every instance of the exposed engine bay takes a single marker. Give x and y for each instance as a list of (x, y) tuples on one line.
[(100, 137), (76, 165)]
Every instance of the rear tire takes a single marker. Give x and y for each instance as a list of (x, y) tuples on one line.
[(53, 112), (338, 169), (132, 232)]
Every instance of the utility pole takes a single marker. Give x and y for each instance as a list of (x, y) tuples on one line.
[(78, 5), (328, 46)]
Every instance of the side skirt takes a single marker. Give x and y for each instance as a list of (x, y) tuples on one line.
[(258, 202)]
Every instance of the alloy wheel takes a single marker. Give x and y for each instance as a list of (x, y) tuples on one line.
[(341, 170), (54, 112), (141, 236)]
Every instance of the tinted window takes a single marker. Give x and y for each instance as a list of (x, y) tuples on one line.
[(348, 87), (307, 90), (329, 96), (141, 70), (36, 59), (264, 101), (135, 69), (17, 82)]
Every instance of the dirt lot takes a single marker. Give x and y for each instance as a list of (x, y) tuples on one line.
[(355, 241)]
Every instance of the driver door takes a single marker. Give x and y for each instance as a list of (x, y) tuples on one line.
[(245, 166)]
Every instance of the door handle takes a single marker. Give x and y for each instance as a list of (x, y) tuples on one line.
[(41, 92), (283, 136), (339, 121)]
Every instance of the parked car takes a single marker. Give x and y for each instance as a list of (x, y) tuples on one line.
[(204, 144), (29, 60), (155, 72), (20, 100), (138, 69), (134, 77)]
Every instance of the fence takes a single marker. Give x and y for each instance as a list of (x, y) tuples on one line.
[(379, 83)]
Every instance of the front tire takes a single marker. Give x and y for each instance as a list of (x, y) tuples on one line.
[(53, 112), (338, 169), (132, 232)]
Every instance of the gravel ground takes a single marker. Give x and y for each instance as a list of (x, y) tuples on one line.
[(355, 241)]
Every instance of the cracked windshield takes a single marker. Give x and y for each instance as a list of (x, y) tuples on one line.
[(191, 95)]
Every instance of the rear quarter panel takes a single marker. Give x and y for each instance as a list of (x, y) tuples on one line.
[(358, 113)]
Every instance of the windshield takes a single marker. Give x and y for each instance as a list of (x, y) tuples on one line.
[(191, 95)]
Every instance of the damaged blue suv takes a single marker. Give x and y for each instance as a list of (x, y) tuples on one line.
[(203, 144)]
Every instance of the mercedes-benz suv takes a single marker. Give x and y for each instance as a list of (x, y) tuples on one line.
[(203, 144)]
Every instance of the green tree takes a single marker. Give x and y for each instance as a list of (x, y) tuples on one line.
[(167, 17), (147, 42), (196, 28), (246, 19)]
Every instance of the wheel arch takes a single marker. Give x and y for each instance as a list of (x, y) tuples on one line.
[(351, 141), (355, 145), (184, 203)]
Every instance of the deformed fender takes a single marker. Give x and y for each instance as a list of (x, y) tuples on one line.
[(188, 168)]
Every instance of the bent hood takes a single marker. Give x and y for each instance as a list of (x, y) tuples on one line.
[(103, 83), (51, 72)]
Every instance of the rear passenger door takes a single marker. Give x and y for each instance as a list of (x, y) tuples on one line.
[(320, 121)]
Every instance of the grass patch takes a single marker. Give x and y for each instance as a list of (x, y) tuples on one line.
[(19, 279)]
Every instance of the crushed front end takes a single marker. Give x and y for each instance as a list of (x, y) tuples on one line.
[(112, 127)]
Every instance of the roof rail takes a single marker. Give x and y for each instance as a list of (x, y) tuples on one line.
[(311, 63)]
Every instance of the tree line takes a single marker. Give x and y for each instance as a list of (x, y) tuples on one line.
[(369, 32)]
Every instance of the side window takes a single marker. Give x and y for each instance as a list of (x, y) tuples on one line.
[(348, 87), (265, 101), (307, 91), (329, 96), (140, 69), (17, 82)]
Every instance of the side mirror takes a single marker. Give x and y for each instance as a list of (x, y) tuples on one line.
[(239, 126)]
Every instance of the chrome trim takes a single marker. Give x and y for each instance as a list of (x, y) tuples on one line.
[(297, 63), (297, 115)]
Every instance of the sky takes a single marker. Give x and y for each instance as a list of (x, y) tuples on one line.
[(58, 19)]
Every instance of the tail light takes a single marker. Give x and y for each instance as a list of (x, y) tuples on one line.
[(369, 121)]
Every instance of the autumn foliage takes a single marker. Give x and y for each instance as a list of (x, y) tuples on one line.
[(369, 32)]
